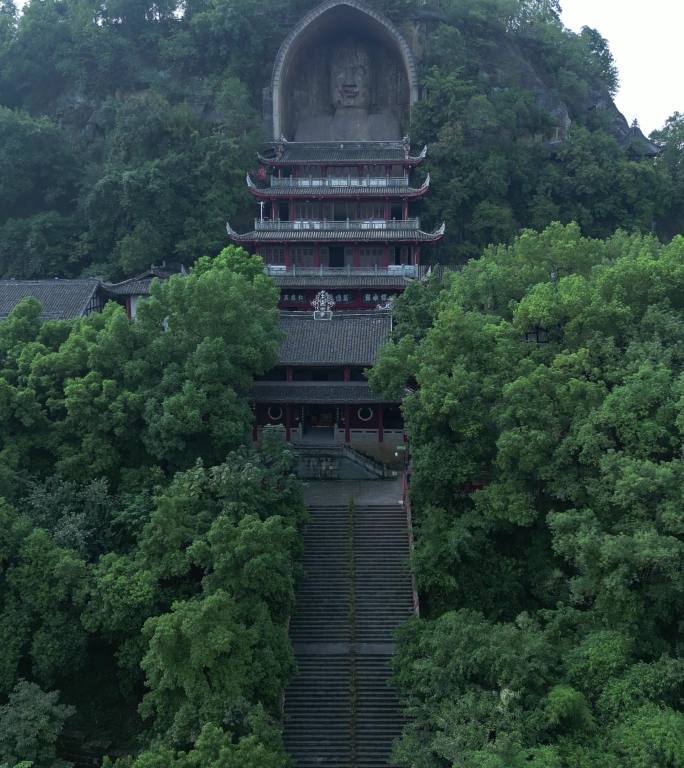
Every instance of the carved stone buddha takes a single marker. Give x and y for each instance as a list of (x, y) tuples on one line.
[(350, 116)]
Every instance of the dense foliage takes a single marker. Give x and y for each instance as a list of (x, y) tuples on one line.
[(147, 554), (126, 128), (546, 433)]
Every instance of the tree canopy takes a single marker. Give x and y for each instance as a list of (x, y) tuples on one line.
[(546, 438), (148, 552)]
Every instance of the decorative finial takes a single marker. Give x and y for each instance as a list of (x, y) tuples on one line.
[(323, 304)]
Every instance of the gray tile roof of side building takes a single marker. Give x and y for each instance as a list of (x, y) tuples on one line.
[(315, 392), (60, 299), (346, 339), (139, 285)]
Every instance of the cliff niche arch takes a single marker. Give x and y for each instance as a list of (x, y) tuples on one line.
[(344, 73)]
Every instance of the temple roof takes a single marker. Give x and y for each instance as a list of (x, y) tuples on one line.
[(360, 235), (638, 144), (341, 153), (346, 339), (340, 282), (139, 285), (60, 299), (323, 392), (316, 191)]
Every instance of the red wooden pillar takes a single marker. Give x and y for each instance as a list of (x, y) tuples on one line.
[(387, 209), (291, 209), (347, 373), (416, 254), (347, 428), (288, 422), (406, 209), (356, 256), (289, 374), (385, 256), (381, 424)]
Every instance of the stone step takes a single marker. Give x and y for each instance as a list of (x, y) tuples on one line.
[(321, 730)]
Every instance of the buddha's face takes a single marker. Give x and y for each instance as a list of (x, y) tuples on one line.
[(350, 77)]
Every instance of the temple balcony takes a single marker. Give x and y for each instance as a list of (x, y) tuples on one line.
[(392, 270), (339, 182), (336, 226)]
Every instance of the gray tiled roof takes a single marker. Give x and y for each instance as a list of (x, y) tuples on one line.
[(322, 282), (347, 339), (131, 288), (60, 299), (139, 285), (342, 152), (314, 392), (340, 235)]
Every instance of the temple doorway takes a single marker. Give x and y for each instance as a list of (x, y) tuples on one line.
[(319, 423), (336, 256)]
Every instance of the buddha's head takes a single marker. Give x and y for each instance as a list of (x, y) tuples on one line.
[(350, 76)]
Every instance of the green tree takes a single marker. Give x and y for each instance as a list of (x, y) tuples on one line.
[(30, 723), (546, 438)]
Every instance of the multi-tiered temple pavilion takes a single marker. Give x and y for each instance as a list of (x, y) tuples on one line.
[(335, 225)]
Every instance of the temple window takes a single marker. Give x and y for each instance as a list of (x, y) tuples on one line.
[(273, 255), (302, 256), (365, 413), (371, 257), (372, 211), (275, 413)]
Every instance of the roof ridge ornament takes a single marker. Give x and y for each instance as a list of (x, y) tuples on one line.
[(323, 304)]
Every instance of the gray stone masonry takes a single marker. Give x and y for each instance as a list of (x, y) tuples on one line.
[(340, 711)]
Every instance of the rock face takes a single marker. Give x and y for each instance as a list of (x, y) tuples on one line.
[(510, 64)]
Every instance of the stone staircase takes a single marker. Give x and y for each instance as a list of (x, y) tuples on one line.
[(334, 461), (340, 711)]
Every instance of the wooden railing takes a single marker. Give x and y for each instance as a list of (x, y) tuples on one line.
[(292, 182), (335, 226)]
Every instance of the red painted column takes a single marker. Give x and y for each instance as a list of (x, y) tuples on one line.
[(347, 373), (347, 428), (289, 374), (288, 422), (416, 254), (288, 257), (381, 424), (406, 210), (385, 256), (356, 256), (387, 209)]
